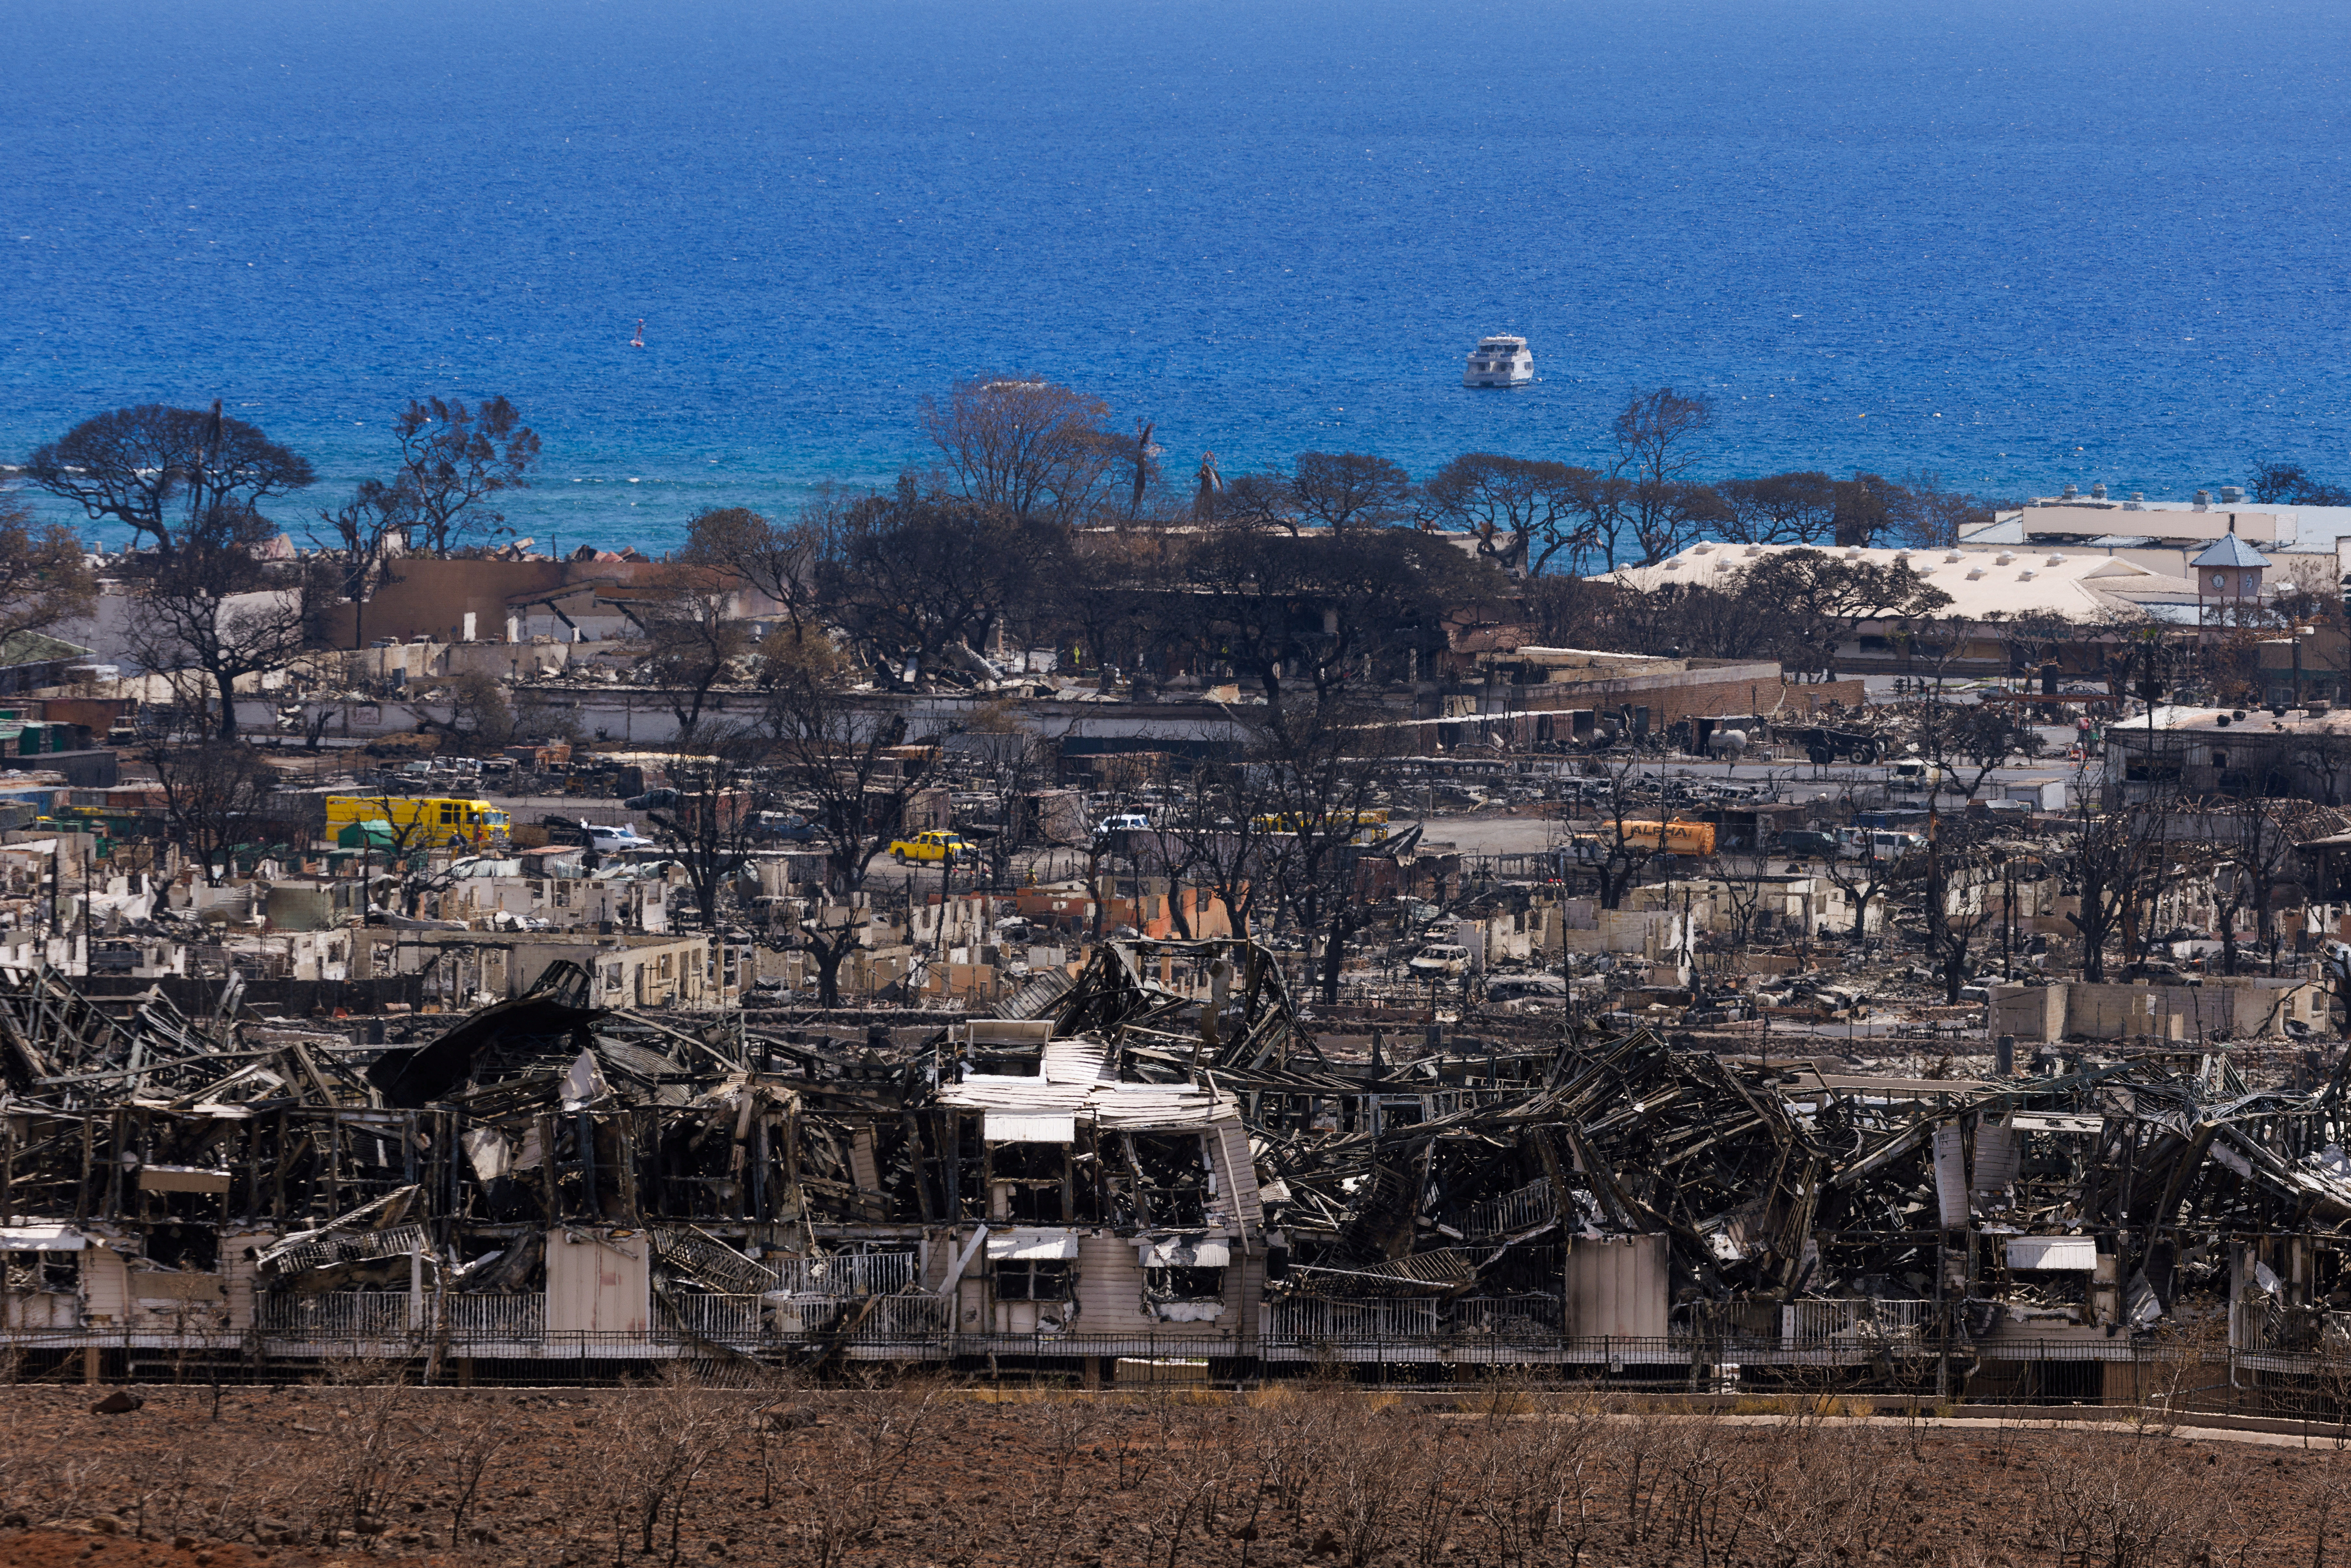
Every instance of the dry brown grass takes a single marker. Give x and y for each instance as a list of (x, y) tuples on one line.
[(885, 1473)]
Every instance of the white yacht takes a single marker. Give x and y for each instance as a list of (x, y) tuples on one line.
[(1501, 361)]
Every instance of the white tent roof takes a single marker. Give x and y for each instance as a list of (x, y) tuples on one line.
[(2012, 582)]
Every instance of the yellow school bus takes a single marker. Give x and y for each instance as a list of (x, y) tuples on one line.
[(437, 820)]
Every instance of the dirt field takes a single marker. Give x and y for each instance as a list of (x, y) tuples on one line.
[(928, 1474)]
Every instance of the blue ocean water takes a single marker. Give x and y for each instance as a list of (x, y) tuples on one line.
[(2015, 241)]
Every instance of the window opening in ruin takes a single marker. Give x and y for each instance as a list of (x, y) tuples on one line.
[(1009, 1062), (1030, 1182), (1033, 1282), (1168, 1179), (1185, 1284)]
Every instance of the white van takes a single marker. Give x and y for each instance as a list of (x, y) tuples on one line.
[(1914, 773)]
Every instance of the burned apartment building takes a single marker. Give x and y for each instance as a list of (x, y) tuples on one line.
[(1144, 1174)]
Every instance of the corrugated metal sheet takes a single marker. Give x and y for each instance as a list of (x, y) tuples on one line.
[(1951, 1177), (1617, 1286), (42, 1239), (1076, 1077), (1032, 1246), (1239, 1174), (2052, 1253), (1040, 991), (1996, 1156), (1029, 1127), (2055, 1121)]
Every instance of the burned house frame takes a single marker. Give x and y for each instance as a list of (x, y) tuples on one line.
[(1146, 1170)]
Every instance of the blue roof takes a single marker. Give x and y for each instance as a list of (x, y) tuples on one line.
[(2230, 550)]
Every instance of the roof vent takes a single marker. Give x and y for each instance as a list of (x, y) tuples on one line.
[(1754, 551), (2098, 492), (2203, 499), (1951, 554), (2054, 560), (2071, 492), (1852, 553), (2003, 557), (1977, 572), (1702, 549), (2024, 576), (2231, 494)]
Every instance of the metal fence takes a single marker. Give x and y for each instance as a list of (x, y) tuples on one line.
[(1535, 1204), (2157, 1380), (338, 1315), (1308, 1321), (845, 1274), (1523, 1320), (520, 1318), (730, 1320), (2260, 1324), (1872, 1322)]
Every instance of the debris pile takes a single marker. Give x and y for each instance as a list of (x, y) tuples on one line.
[(1139, 1167)]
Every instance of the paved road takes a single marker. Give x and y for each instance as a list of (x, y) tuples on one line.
[(1489, 835), (1472, 834)]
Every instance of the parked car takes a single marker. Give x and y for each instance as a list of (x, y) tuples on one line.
[(790, 827), (602, 837), (652, 801), (1439, 958), (1123, 822), (1914, 773), (935, 845), (1526, 988)]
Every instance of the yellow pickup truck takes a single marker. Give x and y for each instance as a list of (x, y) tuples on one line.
[(935, 845)]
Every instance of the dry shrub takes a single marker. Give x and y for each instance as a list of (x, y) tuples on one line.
[(1822, 1497), (1193, 1481), (175, 1475), (368, 1459), (682, 1423), (467, 1437), (1531, 1486), (1288, 1430), (853, 1458), (1362, 1459), (1064, 1425), (2116, 1501)]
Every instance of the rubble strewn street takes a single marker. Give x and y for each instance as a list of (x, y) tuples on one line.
[(1135, 1174)]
